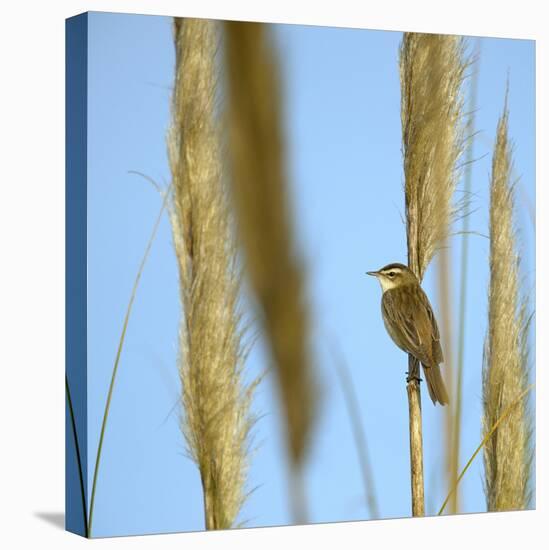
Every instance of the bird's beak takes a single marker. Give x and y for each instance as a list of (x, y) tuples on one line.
[(372, 273)]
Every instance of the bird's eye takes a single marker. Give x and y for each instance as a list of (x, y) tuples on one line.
[(391, 274)]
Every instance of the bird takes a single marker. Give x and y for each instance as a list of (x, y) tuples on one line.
[(411, 324)]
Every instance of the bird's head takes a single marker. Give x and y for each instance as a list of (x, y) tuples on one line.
[(394, 276)]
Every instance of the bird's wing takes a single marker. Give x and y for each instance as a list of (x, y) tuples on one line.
[(409, 324), (437, 354)]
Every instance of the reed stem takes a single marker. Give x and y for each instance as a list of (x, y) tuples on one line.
[(468, 173), (416, 438), (361, 444)]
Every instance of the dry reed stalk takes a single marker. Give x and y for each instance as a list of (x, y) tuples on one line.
[(508, 455), (454, 444), (361, 442), (216, 402), (445, 301), (431, 73), (262, 204)]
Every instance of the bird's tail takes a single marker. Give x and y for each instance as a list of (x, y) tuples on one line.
[(435, 384)]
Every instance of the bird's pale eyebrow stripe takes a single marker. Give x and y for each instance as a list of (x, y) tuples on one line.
[(392, 269), (396, 266)]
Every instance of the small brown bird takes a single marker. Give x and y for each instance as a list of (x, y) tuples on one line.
[(411, 324)]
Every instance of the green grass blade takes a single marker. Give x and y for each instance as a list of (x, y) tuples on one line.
[(118, 354), (504, 415), (78, 458)]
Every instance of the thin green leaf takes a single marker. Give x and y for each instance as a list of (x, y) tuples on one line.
[(119, 353)]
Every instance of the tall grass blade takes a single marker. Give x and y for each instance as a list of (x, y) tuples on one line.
[(78, 457), (361, 443), (118, 355), (489, 433)]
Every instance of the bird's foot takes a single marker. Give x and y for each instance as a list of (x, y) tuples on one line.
[(414, 376)]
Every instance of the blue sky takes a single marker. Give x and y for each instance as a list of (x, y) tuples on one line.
[(342, 120)]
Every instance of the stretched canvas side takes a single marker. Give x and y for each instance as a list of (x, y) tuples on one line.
[(76, 86)]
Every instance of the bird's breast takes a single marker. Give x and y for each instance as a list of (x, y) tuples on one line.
[(391, 329)]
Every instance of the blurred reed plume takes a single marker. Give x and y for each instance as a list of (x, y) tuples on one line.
[(432, 70), (508, 453), (260, 186), (216, 401)]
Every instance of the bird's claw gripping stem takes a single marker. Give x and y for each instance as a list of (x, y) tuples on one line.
[(414, 376)]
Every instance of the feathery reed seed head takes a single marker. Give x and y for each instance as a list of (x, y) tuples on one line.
[(432, 70), (507, 455), (216, 402)]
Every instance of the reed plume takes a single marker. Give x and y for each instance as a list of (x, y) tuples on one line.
[(508, 454), (216, 418), (432, 70), (260, 186)]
